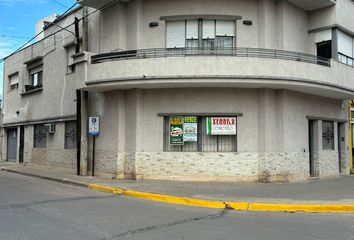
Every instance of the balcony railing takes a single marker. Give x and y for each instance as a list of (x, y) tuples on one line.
[(235, 52), (345, 59)]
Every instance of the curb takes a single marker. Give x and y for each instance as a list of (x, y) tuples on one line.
[(237, 206), (159, 197), (59, 180)]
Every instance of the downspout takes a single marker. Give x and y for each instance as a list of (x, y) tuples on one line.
[(81, 100), (351, 138), (85, 46)]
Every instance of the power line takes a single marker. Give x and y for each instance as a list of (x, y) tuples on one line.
[(59, 3), (33, 38), (10, 36), (61, 29)]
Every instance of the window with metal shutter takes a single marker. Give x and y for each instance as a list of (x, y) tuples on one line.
[(14, 79), (192, 29), (322, 36), (208, 29), (175, 34), (225, 28), (345, 44)]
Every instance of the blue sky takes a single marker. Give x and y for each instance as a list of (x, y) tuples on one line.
[(18, 19)]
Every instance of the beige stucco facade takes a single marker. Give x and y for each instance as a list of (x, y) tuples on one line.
[(276, 97)]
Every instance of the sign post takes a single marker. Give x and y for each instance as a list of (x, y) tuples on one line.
[(94, 131)]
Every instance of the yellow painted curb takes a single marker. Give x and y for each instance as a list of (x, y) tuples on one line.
[(275, 207), (175, 200), (106, 189), (239, 206), (159, 197)]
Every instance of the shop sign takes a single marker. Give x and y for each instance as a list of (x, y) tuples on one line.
[(221, 125), (176, 131), (190, 128)]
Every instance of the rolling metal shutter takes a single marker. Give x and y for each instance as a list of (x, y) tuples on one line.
[(175, 34), (345, 44), (192, 29), (225, 28), (208, 29)]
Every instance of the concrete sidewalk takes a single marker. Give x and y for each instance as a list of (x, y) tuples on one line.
[(335, 190)]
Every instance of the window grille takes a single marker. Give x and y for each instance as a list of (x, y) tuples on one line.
[(40, 136), (70, 135), (327, 135)]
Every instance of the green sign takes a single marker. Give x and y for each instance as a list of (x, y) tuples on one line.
[(190, 128), (176, 131)]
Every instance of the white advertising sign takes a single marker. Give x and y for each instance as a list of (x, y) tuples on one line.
[(94, 126), (190, 132), (221, 126)]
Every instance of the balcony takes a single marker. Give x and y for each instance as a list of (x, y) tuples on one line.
[(236, 67), (313, 4), (236, 52)]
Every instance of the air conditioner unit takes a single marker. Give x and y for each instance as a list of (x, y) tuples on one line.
[(50, 128)]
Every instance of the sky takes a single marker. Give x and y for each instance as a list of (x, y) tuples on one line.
[(18, 20)]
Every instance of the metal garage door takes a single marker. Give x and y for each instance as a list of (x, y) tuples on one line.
[(11, 145)]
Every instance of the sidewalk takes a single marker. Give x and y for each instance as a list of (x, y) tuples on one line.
[(335, 190)]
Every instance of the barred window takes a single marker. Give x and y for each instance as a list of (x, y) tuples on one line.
[(70, 135), (40, 136), (327, 135), (204, 142)]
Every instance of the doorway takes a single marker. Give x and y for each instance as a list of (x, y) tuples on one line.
[(341, 145), (12, 145), (312, 164), (22, 144)]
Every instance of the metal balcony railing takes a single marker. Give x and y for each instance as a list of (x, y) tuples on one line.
[(346, 59), (235, 52)]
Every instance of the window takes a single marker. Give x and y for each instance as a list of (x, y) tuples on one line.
[(217, 143), (40, 136), (192, 34), (204, 140), (14, 81), (327, 135), (70, 135), (208, 34), (35, 79), (70, 51), (345, 48), (176, 34), (205, 34)]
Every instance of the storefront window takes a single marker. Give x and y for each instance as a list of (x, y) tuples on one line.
[(200, 134)]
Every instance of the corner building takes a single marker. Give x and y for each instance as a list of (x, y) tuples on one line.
[(188, 90)]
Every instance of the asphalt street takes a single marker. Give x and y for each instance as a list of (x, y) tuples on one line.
[(37, 209)]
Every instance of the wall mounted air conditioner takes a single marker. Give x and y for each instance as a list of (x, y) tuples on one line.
[(50, 128)]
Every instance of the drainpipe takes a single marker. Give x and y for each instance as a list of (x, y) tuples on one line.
[(77, 35), (351, 137), (85, 46), (82, 129)]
